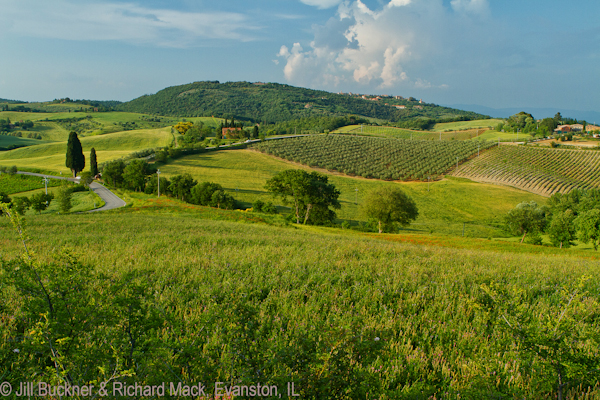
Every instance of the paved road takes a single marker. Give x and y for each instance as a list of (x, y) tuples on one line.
[(111, 200)]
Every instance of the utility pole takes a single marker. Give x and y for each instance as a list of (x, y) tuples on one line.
[(440, 136), (158, 180), (428, 179), (356, 199), (46, 183)]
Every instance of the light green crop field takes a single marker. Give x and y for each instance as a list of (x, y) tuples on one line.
[(480, 123), (443, 208), (29, 116), (7, 140), (207, 121), (504, 136), (50, 131), (382, 131), (108, 147)]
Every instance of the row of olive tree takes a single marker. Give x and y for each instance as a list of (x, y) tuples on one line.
[(571, 216)]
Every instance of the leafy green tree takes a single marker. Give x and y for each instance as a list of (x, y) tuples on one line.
[(4, 199), (41, 201), (12, 170), (221, 199), (112, 173), (86, 178), (258, 205), (93, 162), (75, 159), (181, 186), (152, 186), (562, 229), (202, 193), (21, 204), (526, 218), (255, 132), (588, 227), (307, 192), (64, 198), (135, 173), (389, 206)]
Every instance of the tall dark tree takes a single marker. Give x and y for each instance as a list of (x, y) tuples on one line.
[(75, 158), (93, 162)]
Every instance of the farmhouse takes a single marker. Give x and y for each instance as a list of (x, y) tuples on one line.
[(230, 133), (563, 129)]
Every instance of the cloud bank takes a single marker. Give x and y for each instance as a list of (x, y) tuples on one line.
[(126, 22), (383, 47)]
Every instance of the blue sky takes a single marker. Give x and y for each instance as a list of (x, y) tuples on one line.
[(496, 53)]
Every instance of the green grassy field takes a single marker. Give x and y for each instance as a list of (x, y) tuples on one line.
[(10, 184), (382, 131), (461, 125), (51, 156), (443, 208), (7, 140), (504, 136), (182, 297)]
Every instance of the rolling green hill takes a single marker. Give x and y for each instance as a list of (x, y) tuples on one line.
[(273, 102), (543, 171), (243, 173), (51, 156)]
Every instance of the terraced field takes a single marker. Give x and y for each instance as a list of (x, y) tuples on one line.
[(536, 170), (380, 158)]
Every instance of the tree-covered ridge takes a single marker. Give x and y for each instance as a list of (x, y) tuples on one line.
[(9, 101), (380, 158), (273, 102)]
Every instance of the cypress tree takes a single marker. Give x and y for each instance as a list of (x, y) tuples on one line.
[(93, 162), (75, 158)]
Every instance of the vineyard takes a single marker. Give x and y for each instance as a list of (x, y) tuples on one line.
[(380, 158), (540, 171)]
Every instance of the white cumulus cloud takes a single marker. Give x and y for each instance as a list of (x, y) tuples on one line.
[(384, 47)]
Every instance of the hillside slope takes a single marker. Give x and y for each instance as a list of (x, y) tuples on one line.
[(538, 170), (273, 102)]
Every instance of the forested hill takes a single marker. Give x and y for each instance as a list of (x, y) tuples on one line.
[(273, 102), (9, 101)]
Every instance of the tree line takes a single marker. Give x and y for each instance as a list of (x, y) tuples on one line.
[(568, 217)]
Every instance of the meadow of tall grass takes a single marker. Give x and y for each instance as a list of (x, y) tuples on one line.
[(143, 297)]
